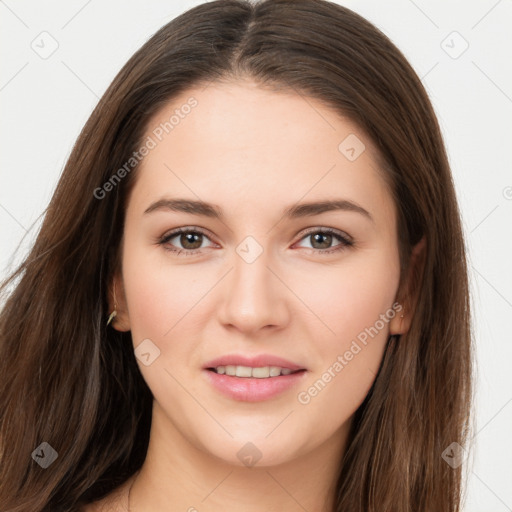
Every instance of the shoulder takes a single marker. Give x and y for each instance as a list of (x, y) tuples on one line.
[(107, 504), (110, 503), (116, 501), (91, 507)]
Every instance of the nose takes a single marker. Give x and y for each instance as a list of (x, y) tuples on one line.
[(254, 296)]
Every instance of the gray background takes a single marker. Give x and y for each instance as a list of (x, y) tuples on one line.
[(46, 101)]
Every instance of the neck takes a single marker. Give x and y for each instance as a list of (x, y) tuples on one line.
[(178, 475)]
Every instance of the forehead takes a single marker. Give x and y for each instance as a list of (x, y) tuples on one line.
[(238, 144)]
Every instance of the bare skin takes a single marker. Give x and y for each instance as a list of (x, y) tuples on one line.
[(254, 153), (116, 501)]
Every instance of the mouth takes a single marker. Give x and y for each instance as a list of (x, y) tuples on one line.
[(247, 372), (253, 379)]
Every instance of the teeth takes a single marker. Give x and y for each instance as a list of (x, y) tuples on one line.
[(258, 373), (243, 371), (274, 371)]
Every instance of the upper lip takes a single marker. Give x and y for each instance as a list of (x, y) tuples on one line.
[(258, 361)]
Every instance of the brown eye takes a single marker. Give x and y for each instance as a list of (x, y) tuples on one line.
[(186, 241), (191, 240), (321, 240)]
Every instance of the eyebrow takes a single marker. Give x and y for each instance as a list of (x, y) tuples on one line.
[(292, 212)]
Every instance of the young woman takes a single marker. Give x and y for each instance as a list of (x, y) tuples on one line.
[(250, 290)]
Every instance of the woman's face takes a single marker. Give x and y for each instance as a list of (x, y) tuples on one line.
[(256, 281)]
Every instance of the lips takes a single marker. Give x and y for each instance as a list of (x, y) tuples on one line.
[(253, 362), (246, 387)]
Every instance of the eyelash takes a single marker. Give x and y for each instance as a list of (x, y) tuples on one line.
[(345, 242)]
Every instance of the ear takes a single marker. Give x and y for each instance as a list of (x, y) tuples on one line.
[(117, 302), (401, 322)]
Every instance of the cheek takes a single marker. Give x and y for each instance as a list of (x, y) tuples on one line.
[(352, 295), (160, 297), (347, 298), (158, 293), (355, 302)]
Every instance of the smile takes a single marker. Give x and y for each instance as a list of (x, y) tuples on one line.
[(262, 372), (251, 388)]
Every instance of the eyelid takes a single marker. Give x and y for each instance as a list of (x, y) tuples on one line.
[(345, 239), (185, 229), (331, 231)]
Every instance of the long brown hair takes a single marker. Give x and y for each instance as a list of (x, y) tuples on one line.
[(71, 381)]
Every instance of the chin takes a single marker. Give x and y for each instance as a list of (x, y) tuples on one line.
[(258, 450)]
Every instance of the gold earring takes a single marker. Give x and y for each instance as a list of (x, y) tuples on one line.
[(114, 313)]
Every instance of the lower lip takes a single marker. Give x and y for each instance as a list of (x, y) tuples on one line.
[(250, 389)]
